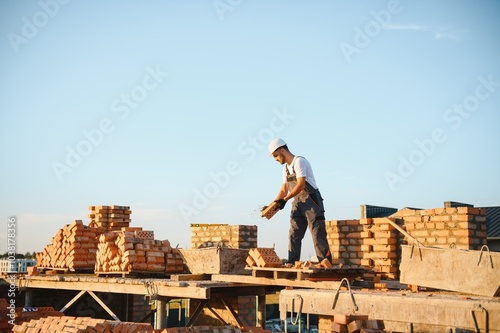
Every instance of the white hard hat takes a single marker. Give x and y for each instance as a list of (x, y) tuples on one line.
[(275, 144)]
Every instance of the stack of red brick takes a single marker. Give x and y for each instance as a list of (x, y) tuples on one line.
[(463, 226), (80, 325), (73, 248), (109, 244), (107, 218), (136, 250), (263, 257), (374, 242), (367, 242), (19, 315), (68, 324)]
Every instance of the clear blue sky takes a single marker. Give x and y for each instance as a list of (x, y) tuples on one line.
[(168, 106)]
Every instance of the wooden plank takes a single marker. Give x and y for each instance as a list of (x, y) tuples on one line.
[(125, 286), (190, 277), (76, 298), (103, 305), (276, 282)]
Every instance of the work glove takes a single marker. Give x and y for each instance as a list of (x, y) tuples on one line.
[(281, 203)]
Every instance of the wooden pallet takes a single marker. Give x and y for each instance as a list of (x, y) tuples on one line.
[(311, 274), (55, 271), (133, 274)]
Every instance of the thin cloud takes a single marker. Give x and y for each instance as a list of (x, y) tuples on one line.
[(437, 33), (406, 27), (450, 33)]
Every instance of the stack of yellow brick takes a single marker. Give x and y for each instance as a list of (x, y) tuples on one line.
[(223, 235)]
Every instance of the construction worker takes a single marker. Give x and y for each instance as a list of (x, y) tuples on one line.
[(307, 206)]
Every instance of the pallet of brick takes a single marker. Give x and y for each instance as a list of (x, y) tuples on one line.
[(80, 325), (73, 248), (110, 217), (264, 257), (133, 250)]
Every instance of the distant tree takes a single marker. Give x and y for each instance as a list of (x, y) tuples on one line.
[(27, 255)]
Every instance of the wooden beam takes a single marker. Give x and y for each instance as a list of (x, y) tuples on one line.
[(196, 312), (228, 307), (217, 315), (70, 303), (104, 306), (190, 277), (276, 282), (260, 320), (112, 286)]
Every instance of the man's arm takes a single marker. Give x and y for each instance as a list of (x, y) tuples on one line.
[(299, 187), (282, 193)]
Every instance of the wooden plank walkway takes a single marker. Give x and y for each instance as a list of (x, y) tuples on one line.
[(317, 278)]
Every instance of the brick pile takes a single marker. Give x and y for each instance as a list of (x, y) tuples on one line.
[(463, 226), (107, 218), (135, 250), (263, 257), (366, 242), (223, 235), (374, 243), (68, 324), (22, 315), (73, 248), (208, 329), (109, 244)]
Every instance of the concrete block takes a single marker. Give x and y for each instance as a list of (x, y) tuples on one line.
[(465, 271), (215, 260)]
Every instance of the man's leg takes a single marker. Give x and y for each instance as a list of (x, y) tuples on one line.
[(318, 233), (298, 227)]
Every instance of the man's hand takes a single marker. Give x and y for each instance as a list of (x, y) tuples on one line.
[(281, 203)]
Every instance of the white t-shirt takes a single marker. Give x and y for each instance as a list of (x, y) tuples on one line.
[(302, 168)]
